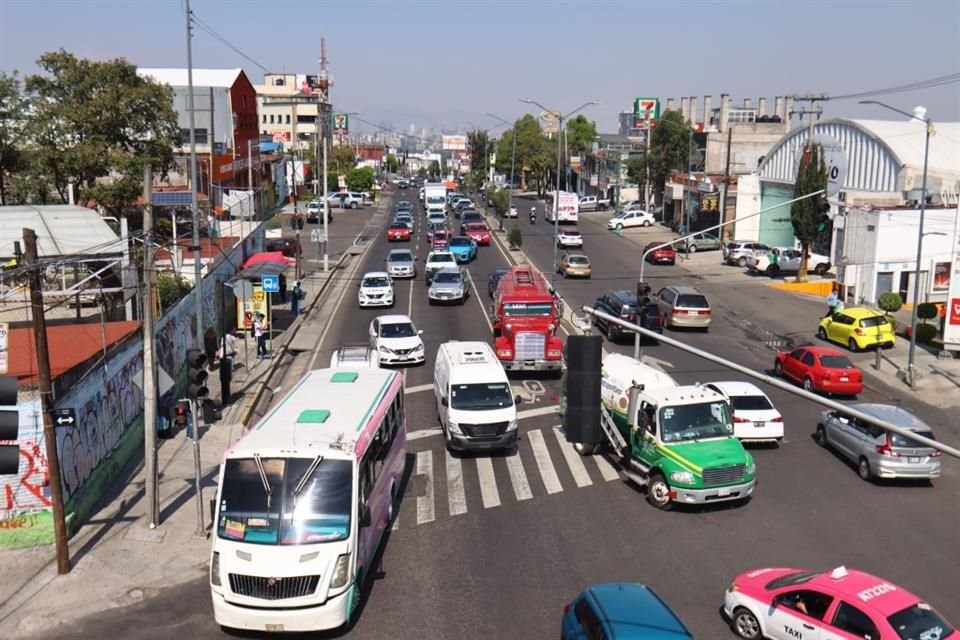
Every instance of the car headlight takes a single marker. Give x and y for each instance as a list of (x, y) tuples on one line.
[(341, 572), (419, 347), (385, 349), (682, 477), (454, 428), (215, 569), (751, 466), (512, 425)]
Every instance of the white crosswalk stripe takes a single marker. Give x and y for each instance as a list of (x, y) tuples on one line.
[(425, 508), (518, 477), (547, 472), (488, 483), (456, 496), (574, 461), (607, 470)]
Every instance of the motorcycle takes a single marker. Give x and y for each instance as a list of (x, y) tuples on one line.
[(533, 217)]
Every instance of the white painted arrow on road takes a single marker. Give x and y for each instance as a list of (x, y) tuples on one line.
[(657, 363)]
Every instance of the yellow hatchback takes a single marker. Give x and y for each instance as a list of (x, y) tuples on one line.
[(858, 328)]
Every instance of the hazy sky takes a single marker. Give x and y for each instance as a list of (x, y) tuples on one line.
[(446, 62)]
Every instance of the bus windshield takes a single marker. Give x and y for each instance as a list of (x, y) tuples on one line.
[(695, 421), (514, 309), (267, 509)]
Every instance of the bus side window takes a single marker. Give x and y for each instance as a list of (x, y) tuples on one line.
[(367, 478)]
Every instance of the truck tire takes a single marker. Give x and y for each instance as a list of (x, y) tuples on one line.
[(658, 492)]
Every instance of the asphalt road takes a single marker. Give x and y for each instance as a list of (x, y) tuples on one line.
[(540, 525)]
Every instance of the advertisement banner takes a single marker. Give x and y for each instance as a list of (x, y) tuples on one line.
[(454, 143), (646, 109), (941, 276), (247, 309), (951, 327), (280, 136), (223, 168), (709, 202), (569, 205)]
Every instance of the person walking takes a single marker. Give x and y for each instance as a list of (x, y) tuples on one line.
[(296, 297), (833, 303), (260, 334)]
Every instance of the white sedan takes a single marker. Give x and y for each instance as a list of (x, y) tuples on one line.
[(396, 340), (755, 419), (376, 290), (512, 212), (569, 238), (631, 218)]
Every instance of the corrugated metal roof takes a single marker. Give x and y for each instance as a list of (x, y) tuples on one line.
[(69, 345), (877, 151), (201, 77), (62, 230)]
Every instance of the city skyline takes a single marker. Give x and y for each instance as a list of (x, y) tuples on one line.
[(477, 61)]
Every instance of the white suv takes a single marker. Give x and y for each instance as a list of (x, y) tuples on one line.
[(631, 218), (737, 251), (569, 238), (437, 260), (376, 290)]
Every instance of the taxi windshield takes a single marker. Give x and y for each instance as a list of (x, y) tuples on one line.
[(919, 622), (695, 421)]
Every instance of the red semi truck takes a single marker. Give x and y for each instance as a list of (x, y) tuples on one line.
[(526, 316)]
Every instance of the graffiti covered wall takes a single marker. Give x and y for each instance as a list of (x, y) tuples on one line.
[(25, 508)]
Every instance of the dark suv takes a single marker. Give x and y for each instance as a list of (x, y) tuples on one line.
[(289, 247), (623, 304)]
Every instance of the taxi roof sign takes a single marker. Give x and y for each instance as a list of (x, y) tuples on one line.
[(839, 572)]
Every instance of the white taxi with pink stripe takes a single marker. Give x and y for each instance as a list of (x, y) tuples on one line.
[(793, 604)]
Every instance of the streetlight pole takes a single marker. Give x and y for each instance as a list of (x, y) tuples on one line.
[(513, 163), (556, 196), (918, 114)]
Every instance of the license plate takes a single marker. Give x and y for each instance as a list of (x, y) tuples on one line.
[(913, 459), (276, 628), (844, 379), (759, 424), (693, 313), (723, 492)]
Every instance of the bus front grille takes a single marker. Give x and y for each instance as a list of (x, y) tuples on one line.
[(273, 588)]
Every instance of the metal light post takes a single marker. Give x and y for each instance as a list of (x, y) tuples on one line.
[(513, 163), (556, 197), (918, 114)]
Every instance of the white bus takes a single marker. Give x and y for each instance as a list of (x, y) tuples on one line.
[(304, 501)]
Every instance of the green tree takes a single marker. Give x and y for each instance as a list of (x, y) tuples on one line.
[(579, 132), (341, 159), (171, 288), (94, 119), (13, 117), (392, 163), (669, 148), (480, 146), (360, 179), (535, 155), (434, 169), (501, 201), (811, 177), (421, 173)]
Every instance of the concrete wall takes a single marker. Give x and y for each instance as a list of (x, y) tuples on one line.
[(26, 518), (748, 203), (749, 143)]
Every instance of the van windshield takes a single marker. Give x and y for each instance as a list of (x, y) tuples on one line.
[(695, 421), (515, 309), (319, 513), (480, 396)]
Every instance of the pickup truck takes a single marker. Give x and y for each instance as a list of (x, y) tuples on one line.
[(593, 203), (788, 261)]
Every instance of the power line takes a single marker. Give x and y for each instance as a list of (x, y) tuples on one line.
[(913, 86), (210, 31)]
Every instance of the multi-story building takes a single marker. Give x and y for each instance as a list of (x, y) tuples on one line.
[(289, 105)]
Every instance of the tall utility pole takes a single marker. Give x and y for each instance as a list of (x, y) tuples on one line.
[(646, 162), (149, 360), (46, 400), (197, 266), (726, 181)]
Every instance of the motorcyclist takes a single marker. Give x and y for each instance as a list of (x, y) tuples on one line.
[(533, 215)]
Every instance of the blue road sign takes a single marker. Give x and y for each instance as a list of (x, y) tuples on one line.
[(270, 284)]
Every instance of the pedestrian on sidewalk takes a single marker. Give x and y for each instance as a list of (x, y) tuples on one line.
[(834, 304), (283, 289), (295, 299), (261, 336)]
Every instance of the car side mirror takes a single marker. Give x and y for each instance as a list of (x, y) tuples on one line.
[(420, 332), (364, 515), (444, 402)]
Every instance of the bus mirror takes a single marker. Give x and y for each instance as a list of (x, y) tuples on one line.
[(364, 515)]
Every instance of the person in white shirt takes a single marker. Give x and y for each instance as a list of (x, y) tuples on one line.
[(260, 334)]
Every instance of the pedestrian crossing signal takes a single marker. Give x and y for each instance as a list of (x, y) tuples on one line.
[(196, 374), (181, 414)]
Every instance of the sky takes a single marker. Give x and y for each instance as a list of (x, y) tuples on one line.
[(448, 63)]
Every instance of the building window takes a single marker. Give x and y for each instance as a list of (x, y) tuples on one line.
[(199, 134), (271, 118), (278, 82), (288, 118), (306, 119), (264, 118)]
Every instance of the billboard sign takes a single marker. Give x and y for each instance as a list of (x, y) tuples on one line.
[(454, 143), (644, 110), (569, 206), (280, 136), (247, 308), (951, 326), (341, 124)]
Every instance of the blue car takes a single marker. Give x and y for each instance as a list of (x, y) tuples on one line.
[(463, 248), (625, 610)]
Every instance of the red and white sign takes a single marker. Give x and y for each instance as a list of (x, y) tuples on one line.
[(954, 312), (951, 328)]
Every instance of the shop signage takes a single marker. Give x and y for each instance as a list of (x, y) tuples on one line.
[(951, 328)]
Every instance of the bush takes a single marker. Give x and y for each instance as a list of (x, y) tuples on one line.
[(926, 333), (515, 237), (171, 288), (890, 301), (927, 311)]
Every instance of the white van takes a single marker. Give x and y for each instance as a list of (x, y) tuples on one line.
[(474, 398)]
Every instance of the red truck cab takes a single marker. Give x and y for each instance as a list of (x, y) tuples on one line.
[(526, 316)]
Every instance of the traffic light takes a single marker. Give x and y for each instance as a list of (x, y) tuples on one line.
[(196, 374), (643, 291), (180, 414), (9, 426), (821, 212)]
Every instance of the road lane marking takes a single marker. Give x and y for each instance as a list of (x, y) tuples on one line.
[(425, 510), (607, 470), (538, 411), (518, 477), (456, 496), (418, 388), (476, 296), (579, 472), (488, 483), (419, 434), (547, 473)]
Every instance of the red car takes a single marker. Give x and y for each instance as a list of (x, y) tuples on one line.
[(663, 255), (821, 369), (398, 231), (479, 232), (440, 239)]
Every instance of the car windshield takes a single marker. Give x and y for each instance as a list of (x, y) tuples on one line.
[(695, 421), (260, 504), (569, 232), (447, 277), (919, 622), (873, 321), (476, 397), (692, 301), (400, 257), (515, 309), (398, 330), (376, 281), (750, 403), (440, 257), (835, 362), (897, 440), (460, 242), (578, 260)]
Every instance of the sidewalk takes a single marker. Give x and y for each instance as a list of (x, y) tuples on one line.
[(116, 559)]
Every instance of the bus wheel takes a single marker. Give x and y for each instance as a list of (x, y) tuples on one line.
[(658, 492)]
